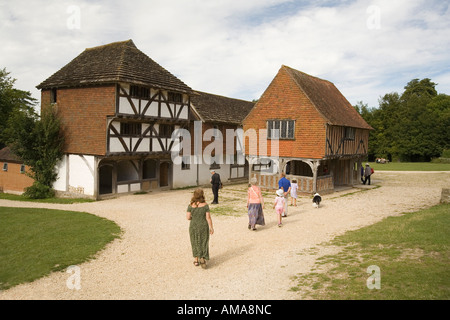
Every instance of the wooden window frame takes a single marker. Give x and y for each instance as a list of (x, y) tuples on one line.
[(166, 132), (286, 129), (130, 128), (174, 97), (139, 92), (349, 133)]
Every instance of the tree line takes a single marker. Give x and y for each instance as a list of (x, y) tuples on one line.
[(412, 126)]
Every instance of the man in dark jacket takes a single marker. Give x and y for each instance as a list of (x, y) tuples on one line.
[(215, 185), (367, 173)]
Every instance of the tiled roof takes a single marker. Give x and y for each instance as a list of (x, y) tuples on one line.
[(328, 100), (215, 108), (6, 155), (112, 63)]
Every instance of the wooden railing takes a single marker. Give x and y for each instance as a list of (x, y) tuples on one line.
[(305, 184)]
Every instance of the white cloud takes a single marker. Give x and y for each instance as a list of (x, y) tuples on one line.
[(235, 48)]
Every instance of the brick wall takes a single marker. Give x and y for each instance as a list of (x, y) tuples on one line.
[(283, 99), (12, 180), (83, 112)]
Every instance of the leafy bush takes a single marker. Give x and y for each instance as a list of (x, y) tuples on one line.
[(39, 191)]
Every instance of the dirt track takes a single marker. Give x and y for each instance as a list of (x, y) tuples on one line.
[(153, 259)]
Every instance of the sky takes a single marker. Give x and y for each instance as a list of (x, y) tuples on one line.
[(235, 48)]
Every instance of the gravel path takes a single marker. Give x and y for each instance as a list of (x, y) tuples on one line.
[(152, 260)]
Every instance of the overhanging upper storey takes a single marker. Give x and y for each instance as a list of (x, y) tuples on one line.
[(143, 102)]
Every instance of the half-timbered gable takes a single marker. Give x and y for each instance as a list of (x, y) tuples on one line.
[(320, 137), (149, 103)]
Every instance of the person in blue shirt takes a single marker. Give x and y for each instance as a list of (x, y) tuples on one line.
[(285, 184)]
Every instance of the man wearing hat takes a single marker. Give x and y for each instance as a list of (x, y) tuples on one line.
[(215, 185), (367, 173)]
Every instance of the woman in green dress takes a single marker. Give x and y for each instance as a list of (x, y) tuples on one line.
[(200, 227)]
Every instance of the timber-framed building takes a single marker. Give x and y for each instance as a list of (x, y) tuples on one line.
[(119, 109), (321, 138)]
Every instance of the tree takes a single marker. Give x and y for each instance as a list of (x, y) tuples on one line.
[(38, 141), (10, 99)]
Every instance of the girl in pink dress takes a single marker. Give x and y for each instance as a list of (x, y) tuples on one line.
[(279, 205)]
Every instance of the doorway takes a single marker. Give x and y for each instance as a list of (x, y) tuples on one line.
[(164, 174), (105, 179)]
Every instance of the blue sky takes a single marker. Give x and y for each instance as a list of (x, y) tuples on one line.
[(234, 47)]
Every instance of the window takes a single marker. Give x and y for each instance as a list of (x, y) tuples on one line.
[(175, 97), (349, 133), (5, 166), (280, 129), (22, 168), (53, 94), (185, 163), (165, 130), (139, 92), (130, 129)]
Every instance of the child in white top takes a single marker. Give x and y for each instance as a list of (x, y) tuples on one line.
[(294, 188), (279, 205)]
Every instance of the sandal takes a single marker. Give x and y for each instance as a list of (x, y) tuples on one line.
[(203, 263), (196, 263)]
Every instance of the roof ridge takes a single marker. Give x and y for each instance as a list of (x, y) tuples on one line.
[(325, 107), (222, 96), (115, 62), (306, 74), (304, 92), (126, 42)]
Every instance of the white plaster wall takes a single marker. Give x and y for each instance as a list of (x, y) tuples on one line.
[(81, 173), (184, 113), (184, 178)]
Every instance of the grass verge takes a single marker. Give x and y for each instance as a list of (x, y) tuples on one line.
[(15, 197), (411, 252), (410, 166), (35, 242)]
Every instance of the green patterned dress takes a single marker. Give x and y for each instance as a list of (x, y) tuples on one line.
[(199, 231)]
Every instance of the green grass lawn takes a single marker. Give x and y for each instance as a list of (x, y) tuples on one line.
[(15, 197), (35, 242), (410, 166), (411, 252)]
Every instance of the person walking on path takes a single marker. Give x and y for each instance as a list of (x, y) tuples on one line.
[(215, 185), (294, 188), (367, 173), (285, 184), (255, 205), (279, 205), (200, 227)]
